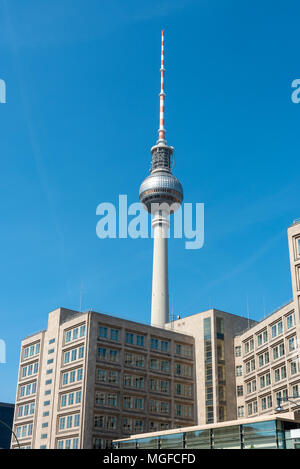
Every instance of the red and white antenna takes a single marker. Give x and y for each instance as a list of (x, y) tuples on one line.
[(161, 130)]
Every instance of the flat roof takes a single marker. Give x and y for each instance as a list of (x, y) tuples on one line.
[(287, 416)]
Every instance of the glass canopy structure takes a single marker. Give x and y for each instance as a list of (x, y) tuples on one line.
[(267, 434)]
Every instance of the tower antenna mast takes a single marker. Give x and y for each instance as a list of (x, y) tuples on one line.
[(162, 130)]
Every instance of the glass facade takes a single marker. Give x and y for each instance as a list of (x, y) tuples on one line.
[(221, 386), (270, 434), (209, 406)]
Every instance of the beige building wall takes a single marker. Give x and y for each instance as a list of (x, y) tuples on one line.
[(149, 383), (216, 397)]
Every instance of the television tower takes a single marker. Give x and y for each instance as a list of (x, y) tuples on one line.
[(161, 193)]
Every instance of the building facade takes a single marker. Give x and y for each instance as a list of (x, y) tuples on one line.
[(214, 333), (91, 378)]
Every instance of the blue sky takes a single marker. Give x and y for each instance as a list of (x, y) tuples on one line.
[(81, 115)]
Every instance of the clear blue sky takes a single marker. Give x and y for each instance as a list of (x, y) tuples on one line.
[(81, 115)]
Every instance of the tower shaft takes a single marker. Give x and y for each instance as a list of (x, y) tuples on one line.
[(160, 287)]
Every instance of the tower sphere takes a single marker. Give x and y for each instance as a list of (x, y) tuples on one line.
[(161, 187)]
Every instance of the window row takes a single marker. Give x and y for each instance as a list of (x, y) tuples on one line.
[(105, 422), (71, 398), (70, 443), (184, 350), (23, 431), (26, 409), (72, 376), (74, 354), (69, 421), (30, 370), (75, 333), (32, 350), (262, 338), (28, 389)]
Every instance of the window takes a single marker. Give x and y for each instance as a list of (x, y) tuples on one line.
[(140, 340), (240, 390), (129, 338), (76, 420), (103, 332), (68, 336), (293, 367), (101, 376), (292, 344), (262, 338), (100, 398), (250, 366), (238, 351), (114, 355), (295, 391), (114, 334), (241, 411), (249, 346), (154, 344), (101, 353), (290, 321), (164, 346), (274, 331), (154, 364), (239, 370), (113, 377), (99, 421), (111, 423)]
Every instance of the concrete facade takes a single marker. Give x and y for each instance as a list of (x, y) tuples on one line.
[(214, 361), (90, 378)]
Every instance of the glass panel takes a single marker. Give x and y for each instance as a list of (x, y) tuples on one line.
[(227, 438), (130, 444), (148, 443), (260, 435), (199, 439), (171, 441)]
